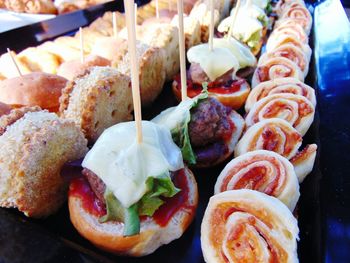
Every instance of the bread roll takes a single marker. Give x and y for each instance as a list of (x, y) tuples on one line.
[(8, 68), (192, 30), (35, 146), (96, 100)]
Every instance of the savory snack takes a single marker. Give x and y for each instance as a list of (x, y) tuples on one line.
[(295, 109), (204, 129), (263, 171), (290, 52), (63, 48), (276, 67), (31, 6), (299, 13), (33, 89), (35, 145), (216, 71), (96, 100), (248, 226), (279, 136), (134, 197), (279, 86), (4, 109), (8, 68), (104, 24), (192, 30), (107, 47), (151, 69), (290, 27), (73, 68)]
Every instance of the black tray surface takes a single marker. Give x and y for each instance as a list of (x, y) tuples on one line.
[(324, 206)]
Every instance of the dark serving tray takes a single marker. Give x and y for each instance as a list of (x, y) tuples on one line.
[(324, 206)]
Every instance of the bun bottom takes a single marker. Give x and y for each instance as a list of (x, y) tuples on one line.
[(231, 143), (109, 236)]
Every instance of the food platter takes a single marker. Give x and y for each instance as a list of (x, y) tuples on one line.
[(322, 212)]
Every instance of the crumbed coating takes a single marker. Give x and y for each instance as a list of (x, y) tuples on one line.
[(34, 149), (151, 69), (96, 100), (13, 116), (165, 36)]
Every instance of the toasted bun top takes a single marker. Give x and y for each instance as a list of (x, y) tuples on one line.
[(107, 47), (73, 68), (34, 89)]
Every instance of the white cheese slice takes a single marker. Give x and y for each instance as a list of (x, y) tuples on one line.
[(253, 11), (214, 63), (243, 54), (124, 165)]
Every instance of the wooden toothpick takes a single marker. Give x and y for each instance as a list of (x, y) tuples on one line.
[(157, 9), (135, 13), (130, 23), (82, 58), (14, 62), (182, 50), (234, 17), (211, 28), (115, 25)]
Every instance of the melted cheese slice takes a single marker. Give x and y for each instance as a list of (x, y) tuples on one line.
[(245, 26), (124, 165), (253, 11), (214, 63), (243, 54)]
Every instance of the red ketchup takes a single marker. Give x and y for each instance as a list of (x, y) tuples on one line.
[(80, 188)]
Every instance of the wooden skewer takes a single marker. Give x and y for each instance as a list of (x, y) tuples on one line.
[(115, 25), (234, 17), (157, 9), (170, 6), (182, 50), (14, 62), (130, 23), (82, 58), (211, 28), (135, 14)]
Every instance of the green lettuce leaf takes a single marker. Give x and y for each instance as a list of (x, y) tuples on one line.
[(156, 188), (254, 40), (180, 133), (269, 8)]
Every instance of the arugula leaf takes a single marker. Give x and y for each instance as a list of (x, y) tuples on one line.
[(156, 187), (116, 212)]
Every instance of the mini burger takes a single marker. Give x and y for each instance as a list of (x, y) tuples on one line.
[(133, 197), (204, 129), (33, 89), (217, 70)]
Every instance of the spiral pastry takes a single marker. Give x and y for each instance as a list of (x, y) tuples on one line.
[(275, 135), (282, 5), (304, 160), (276, 67), (300, 14), (248, 226), (278, 86), (295, 109), (289, 28), (290, 52), (263, 171)]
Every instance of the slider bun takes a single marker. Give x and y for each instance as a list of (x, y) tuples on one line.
[(4, 109), (34, 89), (35, 145), (109, 236), (239, 124), (107, 47), (73, 68)]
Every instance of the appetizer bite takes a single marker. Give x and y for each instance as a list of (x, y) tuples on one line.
[(96, 100), (204, 129), (4, 109), (133, 197), (192, 30), (35, 145), (263, 171), (216, 69), (33, 89), (248, 226)]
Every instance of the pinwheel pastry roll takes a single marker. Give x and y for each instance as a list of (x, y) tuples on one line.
[(300, 14), (291, 27), (278, 40), (290, 52), (248, 226), (96, 100), (201, 12), (304, 161), (263, 171), (151, 69), (278, 86), (282, 5), (295, 109), (275, 135), (276, 67)]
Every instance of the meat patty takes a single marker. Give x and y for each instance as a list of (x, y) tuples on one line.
[(198, 76), (211, 153), (97, 185), (209, 122)]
